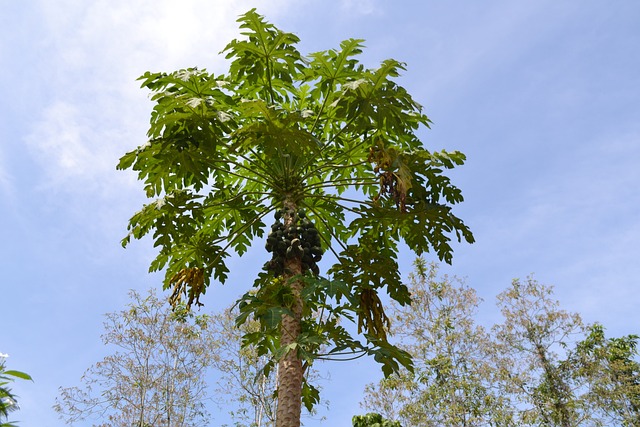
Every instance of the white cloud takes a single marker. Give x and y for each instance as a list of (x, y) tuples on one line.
[(94, 51), (95, 111), (362, 7), (115, 38), (6, 187), (67, 147)]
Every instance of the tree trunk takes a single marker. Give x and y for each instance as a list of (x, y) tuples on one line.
[(559, 391), (290, 373)]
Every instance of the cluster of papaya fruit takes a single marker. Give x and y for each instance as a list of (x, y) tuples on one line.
[(299, 239)]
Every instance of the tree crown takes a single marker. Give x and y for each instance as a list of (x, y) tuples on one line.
[(322, 135)]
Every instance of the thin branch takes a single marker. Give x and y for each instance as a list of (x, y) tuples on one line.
[(315, 122), (266, 183), (326, 98), (340, 155), (333, 198), (255, 163), (266, 165), (332, 139), (348, 123), (268, 68), (338, 182), (342, 353), (335, 203), (267, 179), (365, 139), (341, 360), (246, 193), (339, 166), (330, 230), (238, 233)]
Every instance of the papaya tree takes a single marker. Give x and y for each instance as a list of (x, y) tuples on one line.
[(327, 146)]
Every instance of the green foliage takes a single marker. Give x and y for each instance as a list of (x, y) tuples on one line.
[(373, 420), (280, 132), (539, 367), (8, 401), (612, 364)]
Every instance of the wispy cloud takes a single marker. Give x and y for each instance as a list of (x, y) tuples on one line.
[(96, 50), (82, 97), (6, 187), (68, 148), (361, 7)]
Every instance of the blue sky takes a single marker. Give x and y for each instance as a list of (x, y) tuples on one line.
[(542, 96)]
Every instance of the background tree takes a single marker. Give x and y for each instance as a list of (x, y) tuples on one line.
[(243, 385), (451, 382), (539, 367), (531, 350), (155, 378), (329, 146), (559, 372), (611, 367), (143, 333), (8, 401)]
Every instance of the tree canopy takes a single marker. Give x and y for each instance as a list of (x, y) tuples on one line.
[(539, 367), (156, 377)]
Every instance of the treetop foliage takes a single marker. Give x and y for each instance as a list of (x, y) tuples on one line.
[(225, 150), (282, 132)]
